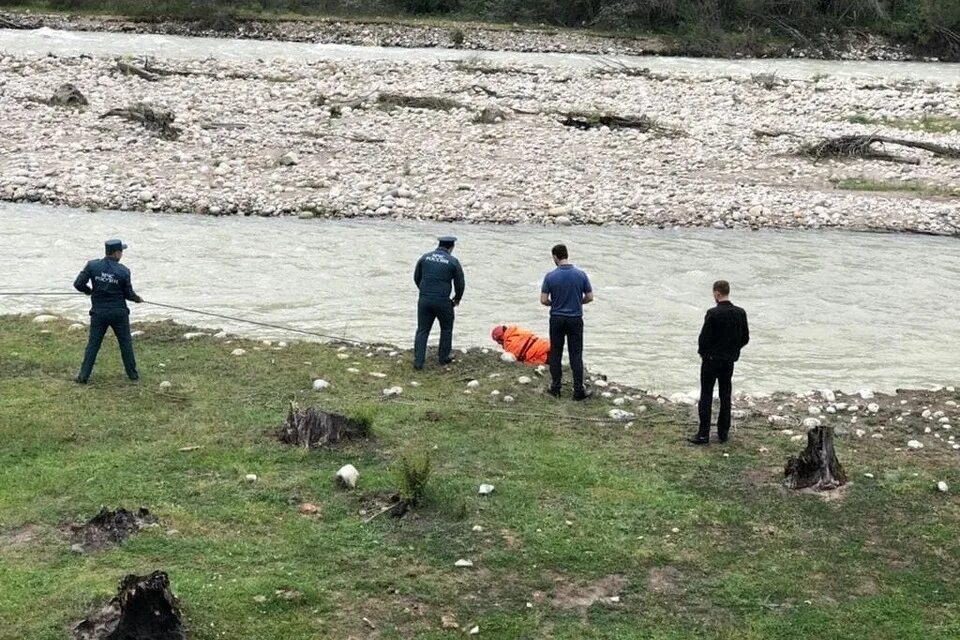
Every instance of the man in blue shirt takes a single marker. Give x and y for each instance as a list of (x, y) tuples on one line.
[(109, 294), (565, 290), (436, 274)]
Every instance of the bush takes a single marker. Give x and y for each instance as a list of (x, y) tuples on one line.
[(412, 472)]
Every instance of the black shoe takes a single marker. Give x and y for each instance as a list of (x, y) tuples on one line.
[(80, 380), (418, 367), (135, 380), (583, 395), (697, 440), (723, 439), (554, 392), (448, 361)]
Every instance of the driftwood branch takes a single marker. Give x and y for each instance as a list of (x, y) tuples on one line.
[(153, 118), (855, 146), (128, 69)]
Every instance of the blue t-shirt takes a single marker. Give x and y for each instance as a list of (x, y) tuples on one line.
[(566, 285)]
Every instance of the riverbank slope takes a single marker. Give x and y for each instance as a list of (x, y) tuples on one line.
[(594, 529)]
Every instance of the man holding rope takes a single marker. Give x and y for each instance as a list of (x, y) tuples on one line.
[(109, 294)]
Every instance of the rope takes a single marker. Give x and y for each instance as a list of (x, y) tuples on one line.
[(203, 313)]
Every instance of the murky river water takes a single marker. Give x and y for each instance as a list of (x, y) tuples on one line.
[(43, 41), (827, 309)]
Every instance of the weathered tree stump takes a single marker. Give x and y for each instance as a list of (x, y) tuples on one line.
[(67, 95), (143, 609), (153, 118), (311, 427), (817, 466)]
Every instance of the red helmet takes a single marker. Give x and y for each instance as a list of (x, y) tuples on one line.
[(497, 333)]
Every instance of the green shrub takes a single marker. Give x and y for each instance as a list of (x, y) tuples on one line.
[(412, 472)]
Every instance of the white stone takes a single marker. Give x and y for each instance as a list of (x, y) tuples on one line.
[(474, 630), (508, 357), (606, 394), (778, 421), (828, 395), (618, 402), (44, 318), (477, 528), (860, 433), (164, 385), (193, 335), (463, 564), (377, 374), (473, 384), (868, 475), (288, 159), (136, 334), (620, 414), (486, 489), (348, 475), (76, 327), (866, 394), (495, 393), (915, 444), (600, 383), (220, 335), (392, 391), (926, 413), (942, 487), (524, 380), (250, 477), (814, 410), (320, 384), (508, 399), (831, 409), (238, 352), (873, 407), (811, 423), (343, 356)]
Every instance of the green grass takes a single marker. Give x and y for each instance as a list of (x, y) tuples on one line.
[(929, 124), (919, 188), (707, 546)]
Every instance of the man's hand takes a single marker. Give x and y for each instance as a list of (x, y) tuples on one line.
[(138, 299), (455, 302)]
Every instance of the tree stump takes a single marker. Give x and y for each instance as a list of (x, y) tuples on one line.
[(67, 95), (311, 427), (109, 528), (143, 609), (817, 466)]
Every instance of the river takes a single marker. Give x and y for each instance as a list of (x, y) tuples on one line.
[(71, 43), (827, 310)]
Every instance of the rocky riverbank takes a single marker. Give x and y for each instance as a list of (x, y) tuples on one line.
[(468, 35), (476, 142)]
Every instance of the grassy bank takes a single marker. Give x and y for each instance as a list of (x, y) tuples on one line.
[(695, 542), (705, 27)]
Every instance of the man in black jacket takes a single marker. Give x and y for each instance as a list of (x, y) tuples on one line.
[(110, 291), (724, 333), (437, 274)]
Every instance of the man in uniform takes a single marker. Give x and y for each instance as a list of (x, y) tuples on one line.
[(110, 291), (565, 290), (724, 333), (437, 273)]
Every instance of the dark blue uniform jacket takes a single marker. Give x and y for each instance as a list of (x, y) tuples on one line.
[(436, 272), (111, 284)]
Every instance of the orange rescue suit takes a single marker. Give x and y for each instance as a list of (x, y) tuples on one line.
[(525, 345)]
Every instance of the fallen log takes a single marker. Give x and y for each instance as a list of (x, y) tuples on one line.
[(817, 466), (856, 146), (128, 69), (311, 427), (6, 23), (434, 103), (153, 118), (143, 609)]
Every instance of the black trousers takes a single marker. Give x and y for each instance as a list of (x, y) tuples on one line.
[(569, 330), (100, 321), (712, 372), (428, 310)]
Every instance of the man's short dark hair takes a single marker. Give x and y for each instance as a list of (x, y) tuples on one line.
[(559, 252), (722, 287), (446, 245)]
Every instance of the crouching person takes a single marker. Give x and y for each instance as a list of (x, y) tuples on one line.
[(526, 346)]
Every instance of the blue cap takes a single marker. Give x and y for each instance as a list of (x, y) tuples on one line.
[(114, 245), (447, 240)]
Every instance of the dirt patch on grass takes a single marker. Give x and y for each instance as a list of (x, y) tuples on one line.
[(109, 528), (665, 581), (581, 595), (761, 476), (19, 537)]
